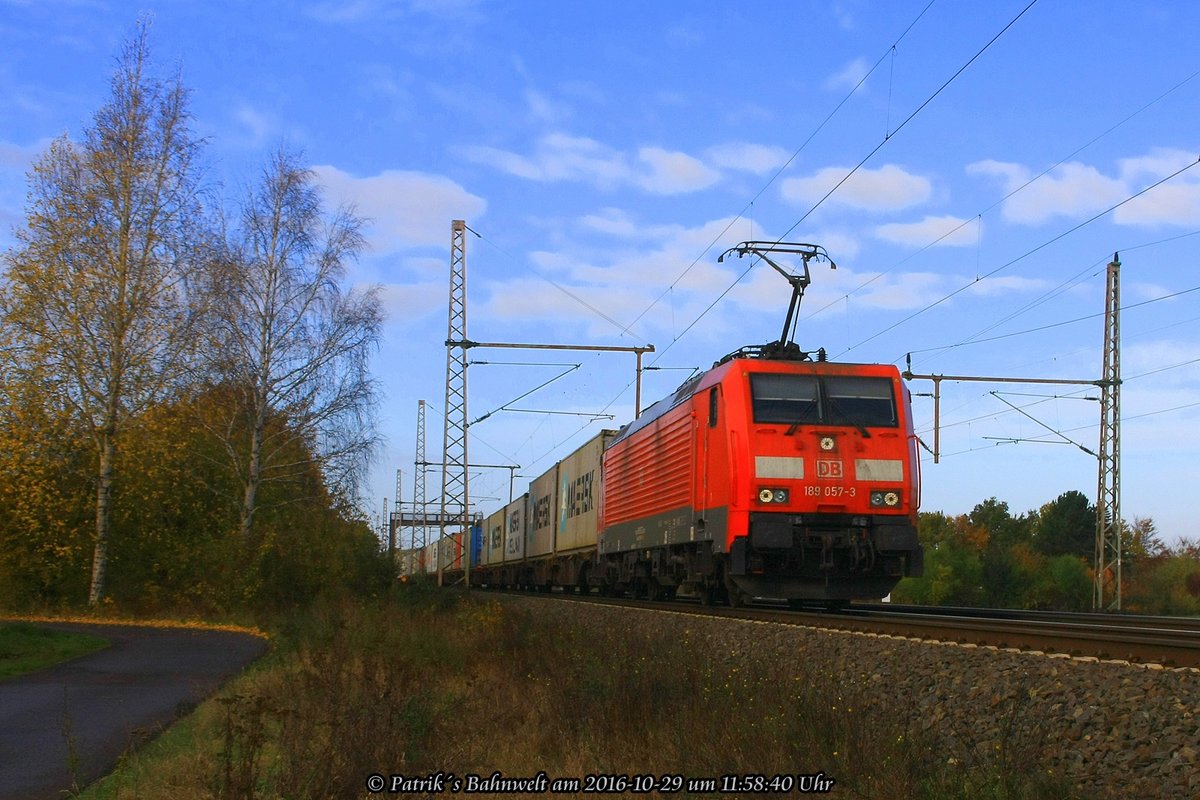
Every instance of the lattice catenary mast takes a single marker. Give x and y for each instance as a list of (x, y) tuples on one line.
[(420, 505), (1108, 493), (454, 509)]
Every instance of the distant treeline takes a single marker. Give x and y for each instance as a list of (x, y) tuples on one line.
[(1043, 560)]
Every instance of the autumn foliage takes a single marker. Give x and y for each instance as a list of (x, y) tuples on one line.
[(142, 462), (1043, 559)]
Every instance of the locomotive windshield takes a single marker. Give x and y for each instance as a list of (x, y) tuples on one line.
[(860, 401), (785, 399), (830, 400)]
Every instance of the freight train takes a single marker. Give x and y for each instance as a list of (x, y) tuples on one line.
[(774, 474), (762, 477)]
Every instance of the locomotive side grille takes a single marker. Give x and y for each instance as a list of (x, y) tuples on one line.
[(650, 474)]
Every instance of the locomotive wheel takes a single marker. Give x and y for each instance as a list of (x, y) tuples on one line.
[(737, 598), (654, 591)]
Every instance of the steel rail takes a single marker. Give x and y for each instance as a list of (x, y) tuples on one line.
[(1171, 642)]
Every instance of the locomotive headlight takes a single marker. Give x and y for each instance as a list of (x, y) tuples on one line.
[(827, 443), (881, 498), (773, 496)]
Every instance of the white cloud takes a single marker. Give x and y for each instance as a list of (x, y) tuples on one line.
[(945, 231), (1076, 190), (623, 284), (619, 224), (1169, 204), (1146, 291), (848, 76), (406, 303), (1179, 362), (988, 287), (756, 158), (374, 11), (1158, 163), (543, 109), (560, 157), (404, 208), (900, 292), (674, 172), (258, 126), (889, 188), (1013, 175), (18, 157), (1070, 190)]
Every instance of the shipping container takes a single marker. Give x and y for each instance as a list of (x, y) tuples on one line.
[(514, 529), (493, 545), (578, 496), (477, 541), (543, 517)]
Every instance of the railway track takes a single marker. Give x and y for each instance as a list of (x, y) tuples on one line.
[(1172, 642)]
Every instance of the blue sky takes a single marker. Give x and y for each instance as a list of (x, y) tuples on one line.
[(609, 152)]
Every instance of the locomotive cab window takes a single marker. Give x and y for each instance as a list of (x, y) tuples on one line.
[(868, 402), (785, 399)]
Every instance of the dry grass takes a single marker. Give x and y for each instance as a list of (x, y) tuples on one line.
[(442, 682)]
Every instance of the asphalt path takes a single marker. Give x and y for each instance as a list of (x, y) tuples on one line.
[(106, 702)]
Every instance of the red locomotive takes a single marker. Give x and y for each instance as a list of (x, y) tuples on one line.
[(766, 476), (774, 474)]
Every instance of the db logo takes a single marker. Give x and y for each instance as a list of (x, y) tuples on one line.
[(829, 468)]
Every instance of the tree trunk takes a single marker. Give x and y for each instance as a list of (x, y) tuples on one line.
[(103, 502), (253, 477)]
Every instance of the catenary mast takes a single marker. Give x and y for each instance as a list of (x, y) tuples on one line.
[(1108, 494), (454, 509)]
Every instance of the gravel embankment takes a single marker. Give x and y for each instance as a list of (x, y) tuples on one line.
[(1117, 730)]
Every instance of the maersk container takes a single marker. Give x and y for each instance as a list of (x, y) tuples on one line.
[(514, 528), (493, 545), (542, 522), (578, 496)]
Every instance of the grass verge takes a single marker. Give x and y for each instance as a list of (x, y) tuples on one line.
[(25, 647), (433, 681)]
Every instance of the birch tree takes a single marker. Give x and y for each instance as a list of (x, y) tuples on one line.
[(293, 341), (96, 298)]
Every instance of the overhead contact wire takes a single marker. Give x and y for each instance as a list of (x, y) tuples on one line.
[(1021, 257)]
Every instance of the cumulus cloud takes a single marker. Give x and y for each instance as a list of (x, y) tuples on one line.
[(406, 303), (19, 157), (673, 172), (756, 158), (620, 225), (889, 188), (1069, 190), (946, 231), (257, 127), (558, 157), (561, 157), (997, 285), (848, 76), (1076, 190), (621, 284), (404, 208), (1176, 202)]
